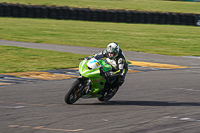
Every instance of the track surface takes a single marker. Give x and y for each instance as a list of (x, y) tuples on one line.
[(165, 101)]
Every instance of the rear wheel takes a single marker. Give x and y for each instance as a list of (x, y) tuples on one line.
[(74, 92), (108, 94)]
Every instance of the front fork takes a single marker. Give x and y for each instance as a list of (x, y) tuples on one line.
[(86, 85)]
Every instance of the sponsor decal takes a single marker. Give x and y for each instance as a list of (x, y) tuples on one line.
[(98, 80)]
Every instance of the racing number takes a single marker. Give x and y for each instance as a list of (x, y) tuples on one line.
[(97, 64)]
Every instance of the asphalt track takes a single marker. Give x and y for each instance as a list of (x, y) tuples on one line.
[(162, 101)]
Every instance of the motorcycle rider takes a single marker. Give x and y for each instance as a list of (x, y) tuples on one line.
[(115, 57)]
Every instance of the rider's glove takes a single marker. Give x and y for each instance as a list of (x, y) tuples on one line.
[(112, 73), (109, 74)]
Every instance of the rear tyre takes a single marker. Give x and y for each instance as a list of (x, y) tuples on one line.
[(108, 94), (74, 92)]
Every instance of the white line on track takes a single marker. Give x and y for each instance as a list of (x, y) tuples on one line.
[(186, 89), (182, 119), (14, 107)]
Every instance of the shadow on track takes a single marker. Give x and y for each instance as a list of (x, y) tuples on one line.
[(144, 103)]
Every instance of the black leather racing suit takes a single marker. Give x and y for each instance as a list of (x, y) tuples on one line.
[(119, 64)]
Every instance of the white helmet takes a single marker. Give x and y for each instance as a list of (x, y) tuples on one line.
[(112, 50)]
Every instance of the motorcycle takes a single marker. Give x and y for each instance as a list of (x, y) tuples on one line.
[(92, 82)]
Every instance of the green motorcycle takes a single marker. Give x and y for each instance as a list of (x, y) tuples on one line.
[(92, 81)]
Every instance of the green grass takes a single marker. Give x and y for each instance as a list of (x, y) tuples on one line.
[(16, 59), (157, 39), (143, 5)]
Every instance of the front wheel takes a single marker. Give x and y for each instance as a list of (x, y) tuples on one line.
[(74, 92), (108, 94)]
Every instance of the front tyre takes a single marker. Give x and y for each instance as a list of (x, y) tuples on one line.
[(74, 92), (108, 94)]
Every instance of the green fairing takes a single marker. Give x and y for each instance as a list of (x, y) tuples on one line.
[(91, 82), (106, 67), (97, 80), (90, 73)]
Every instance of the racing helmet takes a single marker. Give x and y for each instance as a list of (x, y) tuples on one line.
[(112, 50)]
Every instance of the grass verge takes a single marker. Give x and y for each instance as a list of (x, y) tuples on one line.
[(16, 59), (157, 39)]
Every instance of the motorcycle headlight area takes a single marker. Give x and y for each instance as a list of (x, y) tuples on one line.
[(93, 63)]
